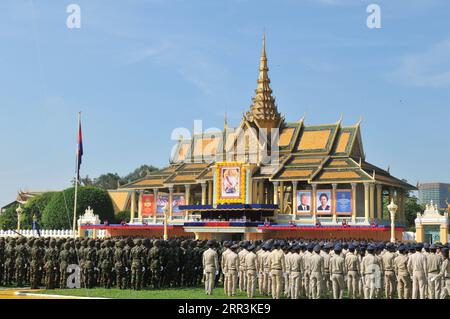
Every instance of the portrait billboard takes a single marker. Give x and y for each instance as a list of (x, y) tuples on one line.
[(303, 201), (177, 200), (230, 183), (162, 203), (324, 201), (148, 205), (343, 202)]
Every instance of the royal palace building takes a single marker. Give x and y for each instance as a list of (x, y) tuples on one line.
[(266, 178)]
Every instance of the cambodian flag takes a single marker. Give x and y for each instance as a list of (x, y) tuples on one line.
[(79, 149)]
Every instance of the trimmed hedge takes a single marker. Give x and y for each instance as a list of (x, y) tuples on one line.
[(58, 214)]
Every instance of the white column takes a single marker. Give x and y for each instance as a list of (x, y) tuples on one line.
[(141, 192), (294, 197), (210, 192), (379, 201), (366, 202), (314, 202), (354, 202), (275, 193), (133, 206), (187, 195), (155, 203), (170, 202), (282, 197), (372, 200), (203, 193), (333, 207)]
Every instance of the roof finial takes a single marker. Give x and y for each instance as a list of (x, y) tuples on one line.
[(264, 110), (360, 120), (225, 122), (263, 52)]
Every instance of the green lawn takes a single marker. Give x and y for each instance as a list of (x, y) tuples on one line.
[(172, 293)]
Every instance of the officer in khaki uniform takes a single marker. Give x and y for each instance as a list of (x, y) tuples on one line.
[(259, 256), (325, 253), (295, 271), (316, 268), (286, 275), (434, 264), (417, 267), (267, 280), (242, 277), (401, 271), (210, 263), (337, 272), (389, 271), (370, 270), (307, 258), (251, 270), (227, 246), (231, 269), (445, 274), (277, 268), (353, 270)]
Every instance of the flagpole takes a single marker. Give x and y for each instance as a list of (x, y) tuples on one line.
[(76, 181)]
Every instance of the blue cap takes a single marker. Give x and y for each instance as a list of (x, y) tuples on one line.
[(419, 246), (317, 248), (370, 248), (337, 247)]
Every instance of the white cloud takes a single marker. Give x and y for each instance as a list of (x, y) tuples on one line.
[(430, 68)]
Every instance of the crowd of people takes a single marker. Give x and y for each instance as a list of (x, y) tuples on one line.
[(276, 268), (299, 269)]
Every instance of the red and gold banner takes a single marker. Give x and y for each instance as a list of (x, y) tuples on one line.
[(148, 207)]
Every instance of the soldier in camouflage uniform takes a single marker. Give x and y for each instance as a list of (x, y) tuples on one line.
[(2, 260), (90, 264), (65, 259), (127, 251), (106, 264), (21, 261), (10, 260), (36, 265), (155, 263), (171, 264), (136, 256), (146, 245), (59, 246), (119, 264), (50, 263)]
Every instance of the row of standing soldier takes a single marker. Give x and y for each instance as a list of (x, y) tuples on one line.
[(324, 270), (124, 263)]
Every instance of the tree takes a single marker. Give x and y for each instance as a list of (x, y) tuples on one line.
[(58, 214), (139, 172), (412, 207), (8, 219), (35, 206), (123, 215), (107, 181)]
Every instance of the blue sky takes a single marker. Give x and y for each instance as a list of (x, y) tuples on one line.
[(138, 69)]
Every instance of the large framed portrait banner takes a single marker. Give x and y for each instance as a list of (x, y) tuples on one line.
[(324, 201), (344, 202), (303, 202), (230, 182)]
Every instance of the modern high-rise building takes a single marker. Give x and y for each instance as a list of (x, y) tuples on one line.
[(437, 192)]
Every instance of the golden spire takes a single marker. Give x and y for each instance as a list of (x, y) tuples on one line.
[(263, 110)]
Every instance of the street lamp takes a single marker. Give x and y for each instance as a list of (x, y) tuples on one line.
[(165, 223), (392, 208), (19, 211)]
